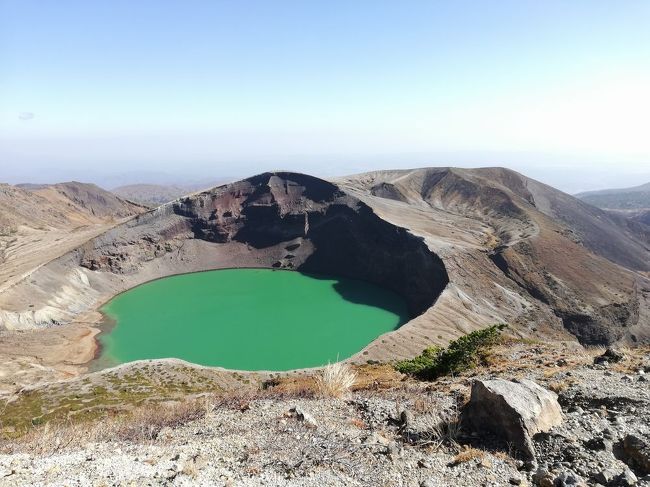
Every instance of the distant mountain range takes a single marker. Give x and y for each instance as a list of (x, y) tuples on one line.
[(62, 205), (635, 198), (158, 194), (631, 203)]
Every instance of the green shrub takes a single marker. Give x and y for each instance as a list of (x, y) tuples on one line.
[(428, 359), (462, 354)]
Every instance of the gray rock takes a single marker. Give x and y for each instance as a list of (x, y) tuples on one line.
[(305, 417), (598, 444), (611, 355), (406, 417), (606, 477), (568, 479), (626, 479), (608, 433), (394, 450), (636, 453), (543, 478), (514, 411)]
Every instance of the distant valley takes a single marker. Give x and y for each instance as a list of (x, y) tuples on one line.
[(632, 203), (156, 194)]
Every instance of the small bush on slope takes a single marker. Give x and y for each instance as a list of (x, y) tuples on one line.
[(462, 354)]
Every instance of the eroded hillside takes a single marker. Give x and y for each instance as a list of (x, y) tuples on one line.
[(564, 262), (41, 222)]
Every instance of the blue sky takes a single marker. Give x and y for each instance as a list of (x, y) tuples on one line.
[(224, 89)]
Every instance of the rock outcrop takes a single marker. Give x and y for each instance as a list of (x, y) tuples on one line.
[(513, 411)]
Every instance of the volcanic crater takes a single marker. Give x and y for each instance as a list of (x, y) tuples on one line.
[(276, 220), (466, 248)]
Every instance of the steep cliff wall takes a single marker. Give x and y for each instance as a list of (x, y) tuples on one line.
[(277, 220)]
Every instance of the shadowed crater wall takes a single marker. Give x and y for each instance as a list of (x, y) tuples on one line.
[(285, 221)]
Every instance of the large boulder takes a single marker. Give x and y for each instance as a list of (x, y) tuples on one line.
[(512, 410), (611, 355)]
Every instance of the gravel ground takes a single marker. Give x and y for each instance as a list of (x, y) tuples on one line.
[(354, 442), (365, 439)]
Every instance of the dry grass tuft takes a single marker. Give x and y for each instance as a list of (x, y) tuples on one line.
[(468, 454), (436, 430), (423, 404), (505, 457), (559, 386), (147, 422), (336, 380), (447, 430), (288, 387), (369, 377), (595, 350), (633, 359)]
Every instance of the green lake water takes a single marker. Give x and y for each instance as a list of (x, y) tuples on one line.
[(248, 319)]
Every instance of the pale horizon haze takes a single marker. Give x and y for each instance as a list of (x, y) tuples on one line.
[(117, 92)]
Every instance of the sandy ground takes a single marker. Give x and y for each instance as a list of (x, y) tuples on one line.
[(31, 356)]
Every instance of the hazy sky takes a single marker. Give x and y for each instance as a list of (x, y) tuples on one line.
[(103, 90)]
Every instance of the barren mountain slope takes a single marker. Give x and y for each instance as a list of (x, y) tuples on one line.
[(643, 217), (598, 230), (68, 203), (93, 199), (550, 247), (43, 222), (637, 197)]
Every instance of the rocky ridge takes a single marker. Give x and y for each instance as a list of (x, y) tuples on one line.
[(383, 433)]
